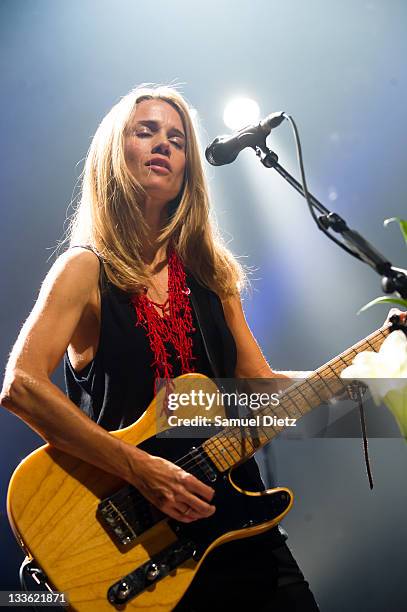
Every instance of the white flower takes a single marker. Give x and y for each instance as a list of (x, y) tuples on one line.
[(385, 373)]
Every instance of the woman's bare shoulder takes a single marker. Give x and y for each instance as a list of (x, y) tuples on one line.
[(77, 266), (80, 256)]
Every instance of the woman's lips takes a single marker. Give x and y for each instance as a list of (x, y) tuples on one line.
[(158, 169), (159, 164)]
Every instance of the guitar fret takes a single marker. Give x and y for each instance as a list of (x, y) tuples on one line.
[(343, 360), (284, 410), (232, 438), (279, 411), (324, 392), (266, 434), (303, 396), (314, 389), (225, 449), (292, 410), (370, 344), (247, 440), (291, 395), (335, 373), (216, 455), (323, 380), (247, 448), (302, 405), (334, 385)]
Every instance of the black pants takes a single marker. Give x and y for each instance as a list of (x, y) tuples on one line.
[(249, 574)]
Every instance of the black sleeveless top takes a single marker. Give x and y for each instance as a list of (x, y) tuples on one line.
[(118, 385)]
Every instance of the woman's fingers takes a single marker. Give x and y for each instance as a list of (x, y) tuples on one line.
[(174, 491), (402, 316), (196, 505), (183, 517), (198, 487), (185, 512)]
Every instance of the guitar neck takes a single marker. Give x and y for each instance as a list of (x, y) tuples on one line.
[(236, 443)]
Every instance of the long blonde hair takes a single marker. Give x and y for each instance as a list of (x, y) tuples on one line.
[(109, 216)]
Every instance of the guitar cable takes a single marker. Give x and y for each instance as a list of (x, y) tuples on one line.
[(365, 446), (356, 390), (28, 569)]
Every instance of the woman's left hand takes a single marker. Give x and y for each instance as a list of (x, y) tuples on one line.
[(399, 313)]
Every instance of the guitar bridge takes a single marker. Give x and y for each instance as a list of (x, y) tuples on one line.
[(159, 566)]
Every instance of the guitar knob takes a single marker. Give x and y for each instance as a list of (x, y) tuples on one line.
[(123, 591), (152, 572)]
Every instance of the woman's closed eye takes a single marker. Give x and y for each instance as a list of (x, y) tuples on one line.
[(177, 141), (143, 133)]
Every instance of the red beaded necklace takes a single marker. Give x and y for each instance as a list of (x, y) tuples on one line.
[(172, 325)]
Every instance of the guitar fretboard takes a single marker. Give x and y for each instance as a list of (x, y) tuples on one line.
[(233, 444)]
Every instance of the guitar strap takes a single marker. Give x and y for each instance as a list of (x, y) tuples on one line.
[(210, 355), (217, 339)]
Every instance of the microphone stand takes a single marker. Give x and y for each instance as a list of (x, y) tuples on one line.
[(393, 279)]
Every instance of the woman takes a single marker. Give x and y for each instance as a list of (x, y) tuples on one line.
[(146, 291)]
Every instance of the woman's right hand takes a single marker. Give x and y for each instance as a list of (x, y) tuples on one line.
[(172, 490)]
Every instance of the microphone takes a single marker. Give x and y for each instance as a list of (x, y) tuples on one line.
[(224, 149)]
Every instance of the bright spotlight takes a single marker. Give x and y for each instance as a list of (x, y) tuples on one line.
[(241, 112)]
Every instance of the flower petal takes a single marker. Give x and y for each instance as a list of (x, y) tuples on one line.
[(393, 351)]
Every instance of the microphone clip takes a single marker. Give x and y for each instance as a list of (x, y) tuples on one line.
[(268, 158)]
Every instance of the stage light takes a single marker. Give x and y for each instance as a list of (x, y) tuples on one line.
[(240, 112)]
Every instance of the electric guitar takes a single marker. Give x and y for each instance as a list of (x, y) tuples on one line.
[(98, 540)]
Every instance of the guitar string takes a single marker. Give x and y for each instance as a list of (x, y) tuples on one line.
[(200, 458)]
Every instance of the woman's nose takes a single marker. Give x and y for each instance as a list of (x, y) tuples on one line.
[(162, 147)]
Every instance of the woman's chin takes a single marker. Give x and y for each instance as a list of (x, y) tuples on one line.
[(156, 192)]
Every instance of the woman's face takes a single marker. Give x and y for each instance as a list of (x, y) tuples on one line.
[(155, 144)]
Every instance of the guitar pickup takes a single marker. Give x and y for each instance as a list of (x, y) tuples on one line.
[(127, 514), (159, 566)]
